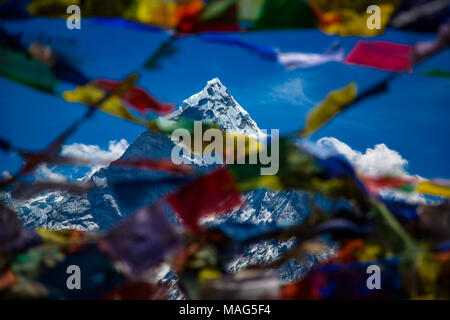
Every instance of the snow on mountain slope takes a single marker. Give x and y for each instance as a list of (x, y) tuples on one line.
[(54, 210), (107, 203), (215, 103)]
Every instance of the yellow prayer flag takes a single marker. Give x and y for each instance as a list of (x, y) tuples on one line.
[(428, 269), (271, 182), (431, 188), (233, 145), (239, 146), (355, 5), (91, 95), (60, 237), (156, 12), (209, 274), (354, 18), (334, 102), (370, 252), (52, 8), (355, 24)]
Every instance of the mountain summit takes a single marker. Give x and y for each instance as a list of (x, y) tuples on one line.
[(107, 203), (104, 205), (215, 104)]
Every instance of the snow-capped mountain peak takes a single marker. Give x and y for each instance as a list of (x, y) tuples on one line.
[(120, 191), (215, 104)]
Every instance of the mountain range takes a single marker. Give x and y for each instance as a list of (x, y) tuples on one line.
[(120, 191)]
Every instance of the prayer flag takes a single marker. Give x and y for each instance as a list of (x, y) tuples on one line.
[(13, 234), (350, 22), (91, 95), (137, 98), (285, 14), (424, 50), (295, 60), (381, 55), (434, 221), (97, 276), (374, 184), (402, 210), (215, 15), (347, 281), (334, 102), (61, 68), (153, 165), (215, 192), (263, 51), (436, 73), (16, 66), (434, 188), (142, 240)]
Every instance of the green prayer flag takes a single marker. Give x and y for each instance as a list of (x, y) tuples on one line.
[(18, 67), (437, 73), (216, 9), (286, 14)]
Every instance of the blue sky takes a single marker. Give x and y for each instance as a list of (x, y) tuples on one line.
[(412, 118)]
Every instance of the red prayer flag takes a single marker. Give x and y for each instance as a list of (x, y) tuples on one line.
[(381, 55), (374, 184), (189, 27), (7, 279), (213, 193), (137, 98), (165, 165), (190, 20)]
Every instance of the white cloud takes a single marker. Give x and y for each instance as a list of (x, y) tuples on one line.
[(43, 172), (6, 174), (94, 152), (292, 91), (88, 152), (377, 161), (413, 197), (85, 152)]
